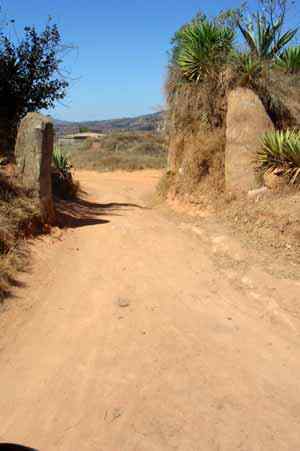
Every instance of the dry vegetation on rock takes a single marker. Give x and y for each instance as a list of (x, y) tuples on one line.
[(206, 64)]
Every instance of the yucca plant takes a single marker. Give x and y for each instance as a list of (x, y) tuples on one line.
[(261, 37), (249, 66), (289, 60), (61, 161), (281, 150), (63, 184), (202, 46)]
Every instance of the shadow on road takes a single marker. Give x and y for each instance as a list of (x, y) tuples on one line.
[(13, 447), (79, 212)]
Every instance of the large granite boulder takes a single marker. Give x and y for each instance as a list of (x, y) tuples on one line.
[(246, 122), (34, 148)]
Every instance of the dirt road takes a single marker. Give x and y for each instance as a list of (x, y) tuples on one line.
[(137, 330)]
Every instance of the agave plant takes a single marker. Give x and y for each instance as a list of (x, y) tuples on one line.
[(249, 66), (61, 161), (281, 149), (289, 60), (203, 45), (261, 37)]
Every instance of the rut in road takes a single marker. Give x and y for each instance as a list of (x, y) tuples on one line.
[(136, 330)]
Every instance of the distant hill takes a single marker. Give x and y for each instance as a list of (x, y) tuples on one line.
[(148, 122)]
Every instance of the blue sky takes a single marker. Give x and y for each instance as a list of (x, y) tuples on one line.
[(120, 65)]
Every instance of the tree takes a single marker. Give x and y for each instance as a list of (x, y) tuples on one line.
[(84, 129), (30, 77)]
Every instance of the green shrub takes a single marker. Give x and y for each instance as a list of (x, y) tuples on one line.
[(60, 160), (202, 46), (281, 149), (63, 185), (84, 130), (289, 60), (248, 67)]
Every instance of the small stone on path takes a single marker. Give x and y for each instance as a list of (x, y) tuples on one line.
[(122, 302)]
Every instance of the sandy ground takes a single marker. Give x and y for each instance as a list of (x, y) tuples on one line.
[(136, 330)]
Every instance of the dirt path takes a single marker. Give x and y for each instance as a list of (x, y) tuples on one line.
[(138, 331)]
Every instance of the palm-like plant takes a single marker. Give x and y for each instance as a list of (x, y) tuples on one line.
[(61, 161), (261, 37), (281, 149), (289, 60), (202, 46), (249, 66)]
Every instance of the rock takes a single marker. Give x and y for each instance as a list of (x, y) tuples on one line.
[(246, 122), (256, 193), (56, 233), (123, 302), (34, 147)]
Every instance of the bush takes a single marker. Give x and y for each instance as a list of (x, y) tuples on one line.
[(61, 161), (203, 47), (289, 60), (248, 67), (281, 150), (63, 185)]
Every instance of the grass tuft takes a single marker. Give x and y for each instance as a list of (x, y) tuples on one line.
[(19, 216)]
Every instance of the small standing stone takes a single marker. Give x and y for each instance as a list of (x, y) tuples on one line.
[(34, 148)]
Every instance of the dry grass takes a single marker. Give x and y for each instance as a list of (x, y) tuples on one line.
[(19, 215), (126, 151), (197, 163)]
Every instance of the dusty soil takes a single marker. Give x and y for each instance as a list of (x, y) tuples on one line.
[(137, 329)]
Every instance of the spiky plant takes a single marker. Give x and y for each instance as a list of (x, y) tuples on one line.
[(289, 60), (262, 37), (61, 161), (203, 46), (281, 149), (249, 67)]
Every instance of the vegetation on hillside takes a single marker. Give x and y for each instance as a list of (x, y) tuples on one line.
[(145, 123), (121, 150), (211, 56)]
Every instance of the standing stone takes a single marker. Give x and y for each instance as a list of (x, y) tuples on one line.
[(246, 122), (34, 148)]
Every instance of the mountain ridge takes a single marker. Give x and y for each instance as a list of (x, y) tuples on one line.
[(146, 122)]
